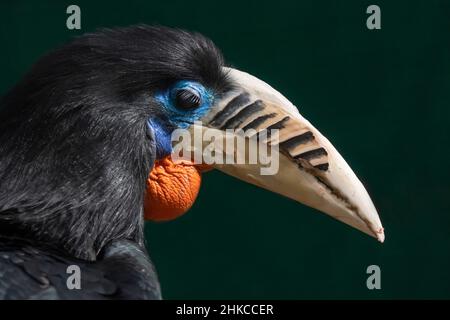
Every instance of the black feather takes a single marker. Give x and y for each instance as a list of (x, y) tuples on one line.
[(31, 270)]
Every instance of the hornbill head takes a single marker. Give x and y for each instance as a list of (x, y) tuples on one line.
[(83, 129)]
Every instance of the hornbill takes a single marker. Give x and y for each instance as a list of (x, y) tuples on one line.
[(85, 157)]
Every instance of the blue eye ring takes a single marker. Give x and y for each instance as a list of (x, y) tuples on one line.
[(185, 102), (186, 96)]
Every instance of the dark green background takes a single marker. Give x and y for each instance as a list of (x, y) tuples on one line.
[(382, 97)]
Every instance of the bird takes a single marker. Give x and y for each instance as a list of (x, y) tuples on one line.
[(86, 156)]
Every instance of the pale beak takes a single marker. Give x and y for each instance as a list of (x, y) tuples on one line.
[(310, 169)]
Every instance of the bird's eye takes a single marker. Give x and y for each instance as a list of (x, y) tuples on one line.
[(187, 99)]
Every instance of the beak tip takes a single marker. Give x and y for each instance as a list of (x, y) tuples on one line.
[(380, 235)]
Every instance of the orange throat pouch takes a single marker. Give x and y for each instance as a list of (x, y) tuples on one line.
[(171, 189)]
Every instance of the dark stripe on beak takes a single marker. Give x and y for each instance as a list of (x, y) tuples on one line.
[(276, 126), (322, 166), (297, 140), (312, 154), (230, 108), (258, 121), (243, 115)]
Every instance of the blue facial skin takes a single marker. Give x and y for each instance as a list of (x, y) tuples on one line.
[(179, 118), (162, 137)]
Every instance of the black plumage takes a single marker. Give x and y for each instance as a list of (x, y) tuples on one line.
[(75, 152), (30, 270)]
